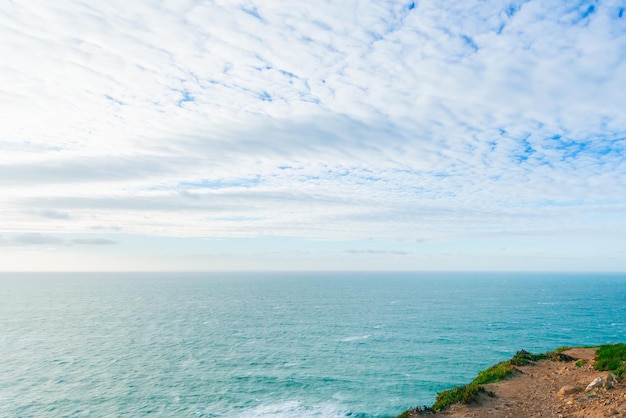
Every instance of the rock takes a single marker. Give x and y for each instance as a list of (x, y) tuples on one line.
[(609, 381), (597, 383), (560, 357), (568, 391)]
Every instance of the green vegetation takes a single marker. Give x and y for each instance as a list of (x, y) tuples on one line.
[(460, 394), (580, 363), (494, 373), (503, 369), (468, 393), (611, 357)]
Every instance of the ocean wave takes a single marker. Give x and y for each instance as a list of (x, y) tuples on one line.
[(293, 409)]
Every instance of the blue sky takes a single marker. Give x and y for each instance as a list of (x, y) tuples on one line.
[(354, 135)]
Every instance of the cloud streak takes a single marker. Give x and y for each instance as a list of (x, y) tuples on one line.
[(51, 240)]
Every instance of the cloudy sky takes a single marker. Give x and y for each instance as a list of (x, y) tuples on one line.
[(327, 135)]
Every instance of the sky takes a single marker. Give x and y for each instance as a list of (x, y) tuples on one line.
[(199, 135)]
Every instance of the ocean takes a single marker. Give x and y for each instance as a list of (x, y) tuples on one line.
[(279, 344)]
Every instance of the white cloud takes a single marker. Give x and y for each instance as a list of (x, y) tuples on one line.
[(359, 120)]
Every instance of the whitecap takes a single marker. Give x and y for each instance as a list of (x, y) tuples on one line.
[(355, 338), (292, 364), (293, 409)]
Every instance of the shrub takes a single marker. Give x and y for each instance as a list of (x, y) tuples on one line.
[(494, 373), (523, 357), (611, 357), (459, 394)]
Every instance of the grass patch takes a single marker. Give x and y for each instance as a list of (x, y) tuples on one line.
[(459, 394), (523, 357), (611, 357), (580, 363), (495, 373)]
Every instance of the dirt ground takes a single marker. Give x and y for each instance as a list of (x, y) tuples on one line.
[(549, 389)]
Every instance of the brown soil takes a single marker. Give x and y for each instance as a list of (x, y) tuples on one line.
[(533, 391)]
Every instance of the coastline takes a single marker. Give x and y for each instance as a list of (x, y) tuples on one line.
[(567, 382)]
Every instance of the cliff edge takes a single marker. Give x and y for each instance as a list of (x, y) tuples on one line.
[(564, 383)]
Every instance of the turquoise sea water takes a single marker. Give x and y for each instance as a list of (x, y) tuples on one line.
[(279, 345)]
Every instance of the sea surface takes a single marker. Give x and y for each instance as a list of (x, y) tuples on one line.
[(279, 345)]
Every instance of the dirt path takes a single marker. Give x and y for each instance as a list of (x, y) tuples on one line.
[(549, 389)]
